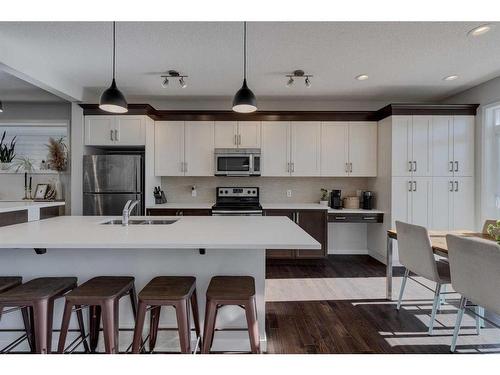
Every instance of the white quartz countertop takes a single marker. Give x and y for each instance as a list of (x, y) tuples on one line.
[(265, 206), (193, 232), (10, 206), (353, 211)]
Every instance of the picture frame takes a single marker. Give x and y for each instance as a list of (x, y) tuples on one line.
[(41, 191)]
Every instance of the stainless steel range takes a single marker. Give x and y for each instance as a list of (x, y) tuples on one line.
[(237, 201)]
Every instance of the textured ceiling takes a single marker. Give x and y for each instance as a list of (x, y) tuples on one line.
[(13, 89), (405, 61)]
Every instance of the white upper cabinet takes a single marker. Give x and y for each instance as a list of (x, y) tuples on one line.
[(442, 146), (169, 148), (275, 148), (226, 134), (463, 146), (199, 148), (249, 134), (334, 149), (421, 145), (233, 134), (305, 148), (184, 148), (362, 149), (131, 130), (401, 146), (115, 130), (453, 146)]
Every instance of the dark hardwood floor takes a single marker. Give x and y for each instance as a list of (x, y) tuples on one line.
[(353, 325)]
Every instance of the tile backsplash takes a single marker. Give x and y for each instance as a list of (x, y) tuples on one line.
[(272, 189)]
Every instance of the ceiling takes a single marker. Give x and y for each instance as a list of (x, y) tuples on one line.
[(405, 61), (13, 89)]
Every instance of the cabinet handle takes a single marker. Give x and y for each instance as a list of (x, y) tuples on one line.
[(297, 217), (117, 138), (456, 185), (451, 167), (239, 139), (451, 185), (288, 167), (111, 134), (414, 185), (346, 167), (369, 218), (293, 167), (410, 166), (235, 140), (181, 213), (415, 166), (350, 167), (410, 185), (456, 166), (340, 217)]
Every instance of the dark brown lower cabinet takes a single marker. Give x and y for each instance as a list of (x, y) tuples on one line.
[(178, 212), (314, 222)]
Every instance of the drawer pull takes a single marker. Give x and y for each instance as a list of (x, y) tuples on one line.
[(369, 218), (340, 217)]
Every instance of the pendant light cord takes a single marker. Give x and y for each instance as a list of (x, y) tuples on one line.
[(245, 50), (114, 48)]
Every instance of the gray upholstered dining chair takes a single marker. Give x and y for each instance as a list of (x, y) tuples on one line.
[(416, 254), (475, 274)]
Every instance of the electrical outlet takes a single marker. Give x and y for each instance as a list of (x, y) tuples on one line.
[(193, 191), (289, 193)]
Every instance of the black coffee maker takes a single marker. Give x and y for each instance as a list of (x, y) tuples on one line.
[(368, 200), (335, 200)]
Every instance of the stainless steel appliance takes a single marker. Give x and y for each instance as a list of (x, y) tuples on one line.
[(237, 201), (109, 181), (237, 161)]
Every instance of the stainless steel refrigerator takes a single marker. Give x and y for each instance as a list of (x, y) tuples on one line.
[(109, 181)]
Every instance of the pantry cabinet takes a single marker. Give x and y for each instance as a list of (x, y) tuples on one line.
[(184, 148), (115, 130), (411, 200), (237, 134)]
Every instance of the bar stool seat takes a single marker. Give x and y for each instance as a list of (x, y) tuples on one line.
[(231, 290), (39, 295), (102, 294), (9, 282), (176, 291)]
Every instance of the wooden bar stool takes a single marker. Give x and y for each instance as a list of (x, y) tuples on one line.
[(231, 290), (7, 283), (39, 295), (176, 291), (102, 294)]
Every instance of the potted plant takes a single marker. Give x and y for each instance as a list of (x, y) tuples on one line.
[(7, 152), (57, 158), (324, 197), (494, 231)]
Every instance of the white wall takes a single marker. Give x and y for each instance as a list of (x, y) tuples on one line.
[(484, 95), (77, 150)]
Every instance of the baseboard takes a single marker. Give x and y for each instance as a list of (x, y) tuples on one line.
[(348, 252), (377, 256)]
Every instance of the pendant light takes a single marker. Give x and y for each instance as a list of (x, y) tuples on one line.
[(244, 101), (1, 106), (112, 100)]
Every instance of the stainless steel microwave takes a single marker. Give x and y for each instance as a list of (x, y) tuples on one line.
[(237, 161)]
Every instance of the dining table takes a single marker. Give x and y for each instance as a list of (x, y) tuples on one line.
[(438, 243)]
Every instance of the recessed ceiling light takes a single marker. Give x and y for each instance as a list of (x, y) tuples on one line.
[(450, 78), (480, 30), (362, 77)]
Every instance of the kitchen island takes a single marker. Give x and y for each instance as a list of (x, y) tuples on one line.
[(200, 246)]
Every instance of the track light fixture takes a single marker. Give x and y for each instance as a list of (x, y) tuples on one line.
[(174, 74), (298, 74)]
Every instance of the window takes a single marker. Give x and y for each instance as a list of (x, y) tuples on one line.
[(32, 139), (496, 156)]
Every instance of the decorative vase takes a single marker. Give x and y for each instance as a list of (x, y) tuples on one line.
[(324, 203), (5, 166)]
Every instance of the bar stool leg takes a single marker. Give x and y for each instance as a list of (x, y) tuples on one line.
[(153, 326), (81, 326), (208, 333), (133, 302), (183, 326), (27, 327), (196, 316), (42, 311), (110, 326), (253, 327), (68, 306), (139, 326), (94, 326)]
